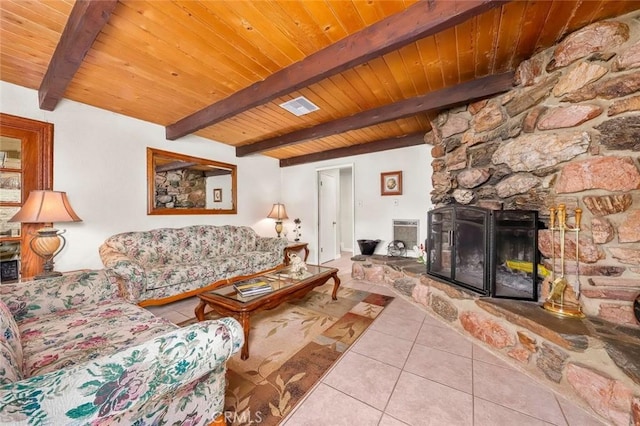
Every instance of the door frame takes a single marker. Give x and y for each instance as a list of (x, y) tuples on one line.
[(351, 206)]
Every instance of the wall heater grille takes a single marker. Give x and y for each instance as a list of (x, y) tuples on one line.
[(407, 231)]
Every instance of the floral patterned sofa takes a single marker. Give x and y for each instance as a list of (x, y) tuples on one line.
[(72, 351), (168, 264)]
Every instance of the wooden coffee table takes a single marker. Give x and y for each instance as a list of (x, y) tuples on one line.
[(286, 286)]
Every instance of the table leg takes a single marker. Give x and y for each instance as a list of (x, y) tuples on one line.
[(200, 310), (306, 253), (244, 319), (336, 284)]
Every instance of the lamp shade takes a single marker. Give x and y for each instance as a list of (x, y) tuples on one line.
[(278, 212), (46, 207)]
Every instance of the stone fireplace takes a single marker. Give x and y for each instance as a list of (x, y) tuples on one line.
[(567, 133)]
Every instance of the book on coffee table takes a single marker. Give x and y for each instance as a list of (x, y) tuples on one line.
[(252, 288)]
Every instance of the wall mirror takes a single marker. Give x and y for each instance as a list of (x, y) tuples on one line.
[(181, 184)]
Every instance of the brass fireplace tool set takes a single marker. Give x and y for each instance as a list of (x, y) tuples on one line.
[(555, 302)]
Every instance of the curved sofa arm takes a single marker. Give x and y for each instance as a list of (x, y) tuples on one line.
[(40, 297), (134, 384), (130, 272), (271, 244)]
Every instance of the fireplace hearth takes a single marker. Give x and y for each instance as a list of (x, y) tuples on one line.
[(491, 252)]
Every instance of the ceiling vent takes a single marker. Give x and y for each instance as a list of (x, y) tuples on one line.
[(299, 106)]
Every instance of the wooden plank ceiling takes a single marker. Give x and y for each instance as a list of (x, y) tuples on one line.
[(377, 69)]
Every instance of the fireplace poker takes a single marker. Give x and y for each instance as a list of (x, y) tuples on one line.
[(552, 226), (578, 212)]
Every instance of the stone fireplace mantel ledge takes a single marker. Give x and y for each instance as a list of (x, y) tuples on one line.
[(592, 361)]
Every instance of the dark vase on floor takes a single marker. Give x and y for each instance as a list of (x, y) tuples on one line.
[(368, 247)]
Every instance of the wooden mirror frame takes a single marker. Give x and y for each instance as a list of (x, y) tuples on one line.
[(182, 162)]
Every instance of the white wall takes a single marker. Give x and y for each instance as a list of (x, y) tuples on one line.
[(100, 161), (373, 213), (346, 210)]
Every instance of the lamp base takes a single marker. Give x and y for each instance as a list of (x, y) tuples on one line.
[(46, 244), (47, 274), (279, 227)]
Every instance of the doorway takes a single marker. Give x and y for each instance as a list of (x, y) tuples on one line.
[(335, 212)]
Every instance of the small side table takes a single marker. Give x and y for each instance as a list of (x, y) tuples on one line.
[(294, 247)]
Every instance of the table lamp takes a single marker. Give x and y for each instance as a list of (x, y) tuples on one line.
[(278, 213), (46, 207)]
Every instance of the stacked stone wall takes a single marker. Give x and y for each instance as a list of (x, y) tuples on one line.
[(182, 188), (568, 133)]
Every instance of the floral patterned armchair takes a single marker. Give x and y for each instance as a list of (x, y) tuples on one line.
[(168, 264), (72, 351)]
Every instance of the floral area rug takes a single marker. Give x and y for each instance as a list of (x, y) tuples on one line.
[(290, 349)]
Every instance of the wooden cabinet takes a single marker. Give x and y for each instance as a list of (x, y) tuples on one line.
[(26, 163)]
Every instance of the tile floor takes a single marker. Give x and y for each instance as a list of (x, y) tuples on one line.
[(409, 368)]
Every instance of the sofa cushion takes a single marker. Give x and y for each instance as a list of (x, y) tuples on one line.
[(225, 240), (175, 274), (42, 297), (159, 246), (70, 337), (10, 347)]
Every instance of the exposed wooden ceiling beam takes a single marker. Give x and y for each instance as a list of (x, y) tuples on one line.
[(85, 23), (363, 148), (420, 20), (447, 97)]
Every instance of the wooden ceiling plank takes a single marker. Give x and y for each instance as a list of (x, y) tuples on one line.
[(388, 8), (413, 63), (251, 16), (397, 69), (442, 98), (510, 30), (325, 19), (448, 54), (369, 77), (348, 15), (354, 87), (221, 30), (557, 17), (365, 148), (583, 16), (28, 18), (361, 88), (419, 21), (486, 41), (432, 68), (85, 22), (157, 34), (118, 56), (534, 17), (295, 21), (369, 12), (465, 42), (210, 47)]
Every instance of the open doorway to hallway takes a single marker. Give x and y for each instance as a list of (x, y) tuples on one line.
[(335, 212)]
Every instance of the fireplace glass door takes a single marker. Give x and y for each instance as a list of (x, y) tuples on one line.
[(440, 243), (515, 235), (457, 246), (471, 249), (492, 253)]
